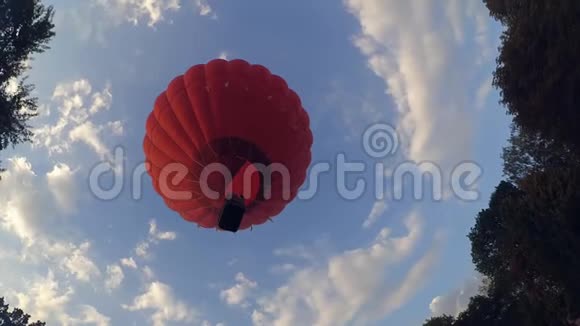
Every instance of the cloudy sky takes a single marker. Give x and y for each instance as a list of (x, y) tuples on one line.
[(76, 253)]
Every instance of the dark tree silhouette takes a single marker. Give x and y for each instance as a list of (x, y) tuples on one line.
[(486, 236), (501, 308), (537, 69), (444, 320), (526, 242), (483, 310), (16, 317), (25, 28), (553, 202), (529, 153)]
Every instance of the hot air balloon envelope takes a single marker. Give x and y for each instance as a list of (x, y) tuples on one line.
[(227, 145)]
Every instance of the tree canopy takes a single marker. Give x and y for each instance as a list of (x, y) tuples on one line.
[(525, 242), (444, 320), (537, 71), (25, 29), (15, 317), (528, 153)]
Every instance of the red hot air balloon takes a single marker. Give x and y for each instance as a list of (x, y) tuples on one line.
[(228, 145)]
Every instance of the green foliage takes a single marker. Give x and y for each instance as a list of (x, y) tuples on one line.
[(529, 153), (444, 320), (553, 200), (537, 69), (483, 310), (486, 242), (16, 317), (505, 11), (526, 241), (25, 28)]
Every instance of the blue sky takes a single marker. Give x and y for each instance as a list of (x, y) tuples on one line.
[(73, 258)]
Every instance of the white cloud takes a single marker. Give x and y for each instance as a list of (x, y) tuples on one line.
[(129, 262), (223, 55), (416, 47), (45, 299), (297, 251), (208, 323), (114, 278), (237, 294), (377, 211), (456, 301), (160, 299), (89, 134), (77, 102), (93, 20), (301, 254), (353, 287), (101, 100), (356, 111), (157, 235), (232, 262), (61, 184), (203, 7), (28, 211), (48, 300), (12, 86), (27, 207), (137, 11), (141, 249), (66, 256), (71, 94), (150, 12), (8, 254), (79, 265), (148, 272), (32, 210), (90, 316), (483, 92), (284, 268), (36, 210), (115, 127), (415, 278)]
